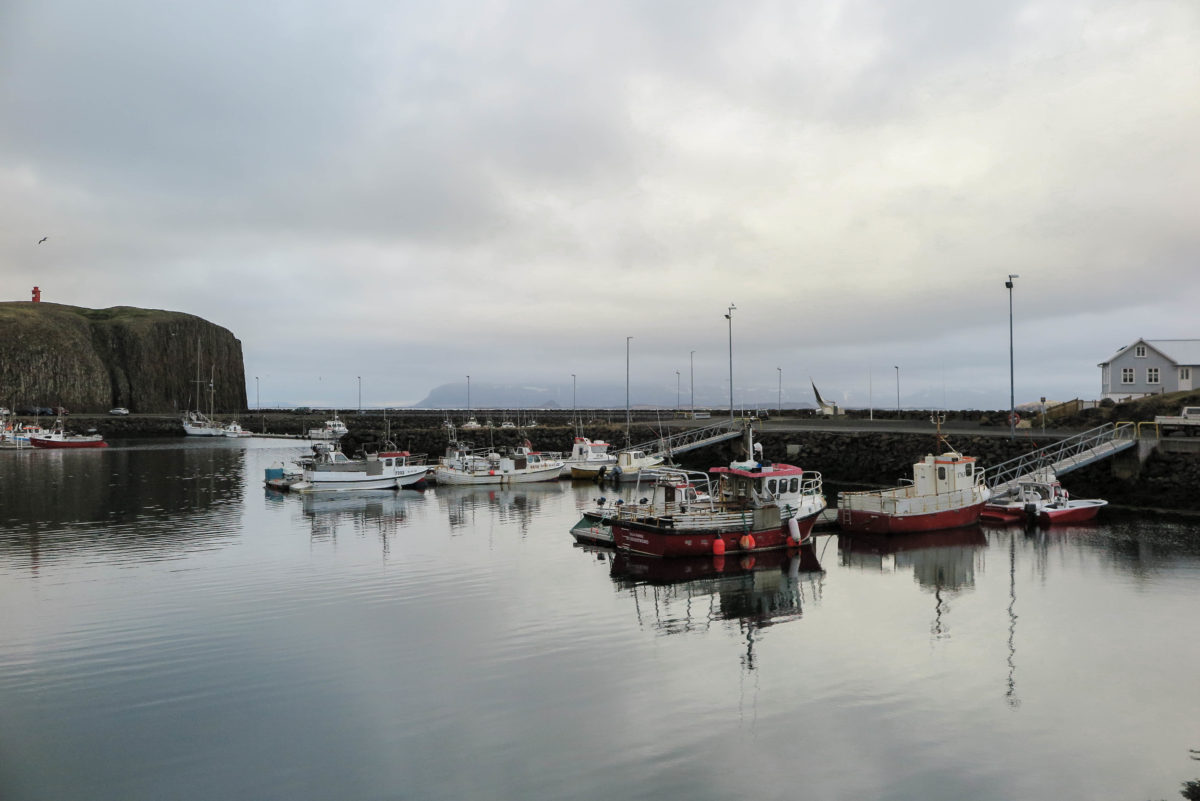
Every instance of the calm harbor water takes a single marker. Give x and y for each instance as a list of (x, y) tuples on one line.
[(172, 630)]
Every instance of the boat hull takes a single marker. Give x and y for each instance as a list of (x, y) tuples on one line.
[(662, 541), (476, 478), (84, 442), (871, 522), (593, 530), (1074, 512)]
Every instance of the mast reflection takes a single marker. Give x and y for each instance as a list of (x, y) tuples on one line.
[(942, 562), (753, 591)]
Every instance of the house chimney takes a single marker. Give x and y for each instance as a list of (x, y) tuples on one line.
[(37, 295)]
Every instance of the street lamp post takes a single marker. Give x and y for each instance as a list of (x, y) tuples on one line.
[(627, 341), (468, 396), (572, 397), (780, 399), (360, 394), (692, 370), (1012, 399), (676, 390), (897, 390), (729, 317), (257, 397)]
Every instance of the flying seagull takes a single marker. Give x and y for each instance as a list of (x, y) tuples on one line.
[(43, 239)]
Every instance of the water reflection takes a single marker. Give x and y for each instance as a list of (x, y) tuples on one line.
[(754, 591), (381, 512), (143, 503), (465, 506), (942, 562)]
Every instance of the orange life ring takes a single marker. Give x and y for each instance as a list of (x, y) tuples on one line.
[(1014, 418)]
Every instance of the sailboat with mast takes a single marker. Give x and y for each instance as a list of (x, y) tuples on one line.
[(195, 422)]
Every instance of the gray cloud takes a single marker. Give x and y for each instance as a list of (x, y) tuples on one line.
[(514, 189)]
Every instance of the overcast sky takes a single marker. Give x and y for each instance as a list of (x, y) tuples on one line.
[(413, 192)]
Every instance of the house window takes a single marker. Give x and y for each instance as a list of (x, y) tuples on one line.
[(1126, 375), (1151, 375), (1185, 374), (1140, 351)]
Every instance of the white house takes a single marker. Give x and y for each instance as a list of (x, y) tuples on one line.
[(1150, 367)]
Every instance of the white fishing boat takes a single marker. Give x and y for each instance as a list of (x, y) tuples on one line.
[(333, 429), (234, 430), (628, 467), (328, 470), (463, 466), (586, 452)]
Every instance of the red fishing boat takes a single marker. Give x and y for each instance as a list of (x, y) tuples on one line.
[(946, 491), (57, 437), (1042, 499), (755, 506)]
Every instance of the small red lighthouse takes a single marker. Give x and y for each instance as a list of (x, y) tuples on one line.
[(37, 295)]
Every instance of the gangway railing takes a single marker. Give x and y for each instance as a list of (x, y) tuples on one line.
[(692, 438), (1064, 456)]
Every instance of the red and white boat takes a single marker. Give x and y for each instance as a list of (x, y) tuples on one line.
[(755, 506), (1042, 499), (947, 491), (57, 437)]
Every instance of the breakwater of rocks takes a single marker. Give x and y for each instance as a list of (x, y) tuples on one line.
[(851, 459)]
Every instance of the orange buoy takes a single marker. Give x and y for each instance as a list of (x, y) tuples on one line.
[(791, 541), (747, 542), (718, 547)]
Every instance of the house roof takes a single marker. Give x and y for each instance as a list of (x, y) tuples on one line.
[(1180, 351)]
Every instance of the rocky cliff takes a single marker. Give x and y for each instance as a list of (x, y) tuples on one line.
[(93, 359)]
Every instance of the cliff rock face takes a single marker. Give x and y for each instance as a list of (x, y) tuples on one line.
[(90, 360)]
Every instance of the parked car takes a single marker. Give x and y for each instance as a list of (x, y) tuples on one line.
[(118, 410), (60, 411)]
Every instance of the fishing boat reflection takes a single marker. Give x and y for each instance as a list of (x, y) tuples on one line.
[(750, 592), (364, 511), (942, 562), (519, 505)]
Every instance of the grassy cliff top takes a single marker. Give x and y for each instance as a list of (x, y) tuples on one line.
[(28, 310)]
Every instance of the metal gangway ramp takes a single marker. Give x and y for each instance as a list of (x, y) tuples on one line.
[(1063, 456), (692, 438)]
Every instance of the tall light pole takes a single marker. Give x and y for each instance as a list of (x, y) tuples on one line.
[(780, 370), (1012, 394), (692, 368), (897, 390), (257, 397), (870, 398), (729, 317), (468, 396), (572, 397), (360, 394), (627, 341), (677, 390)]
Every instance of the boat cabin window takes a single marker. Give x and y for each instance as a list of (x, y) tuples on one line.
[(795, 485), (941, 473), (771, 486), (970, 469), (387, 462)]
